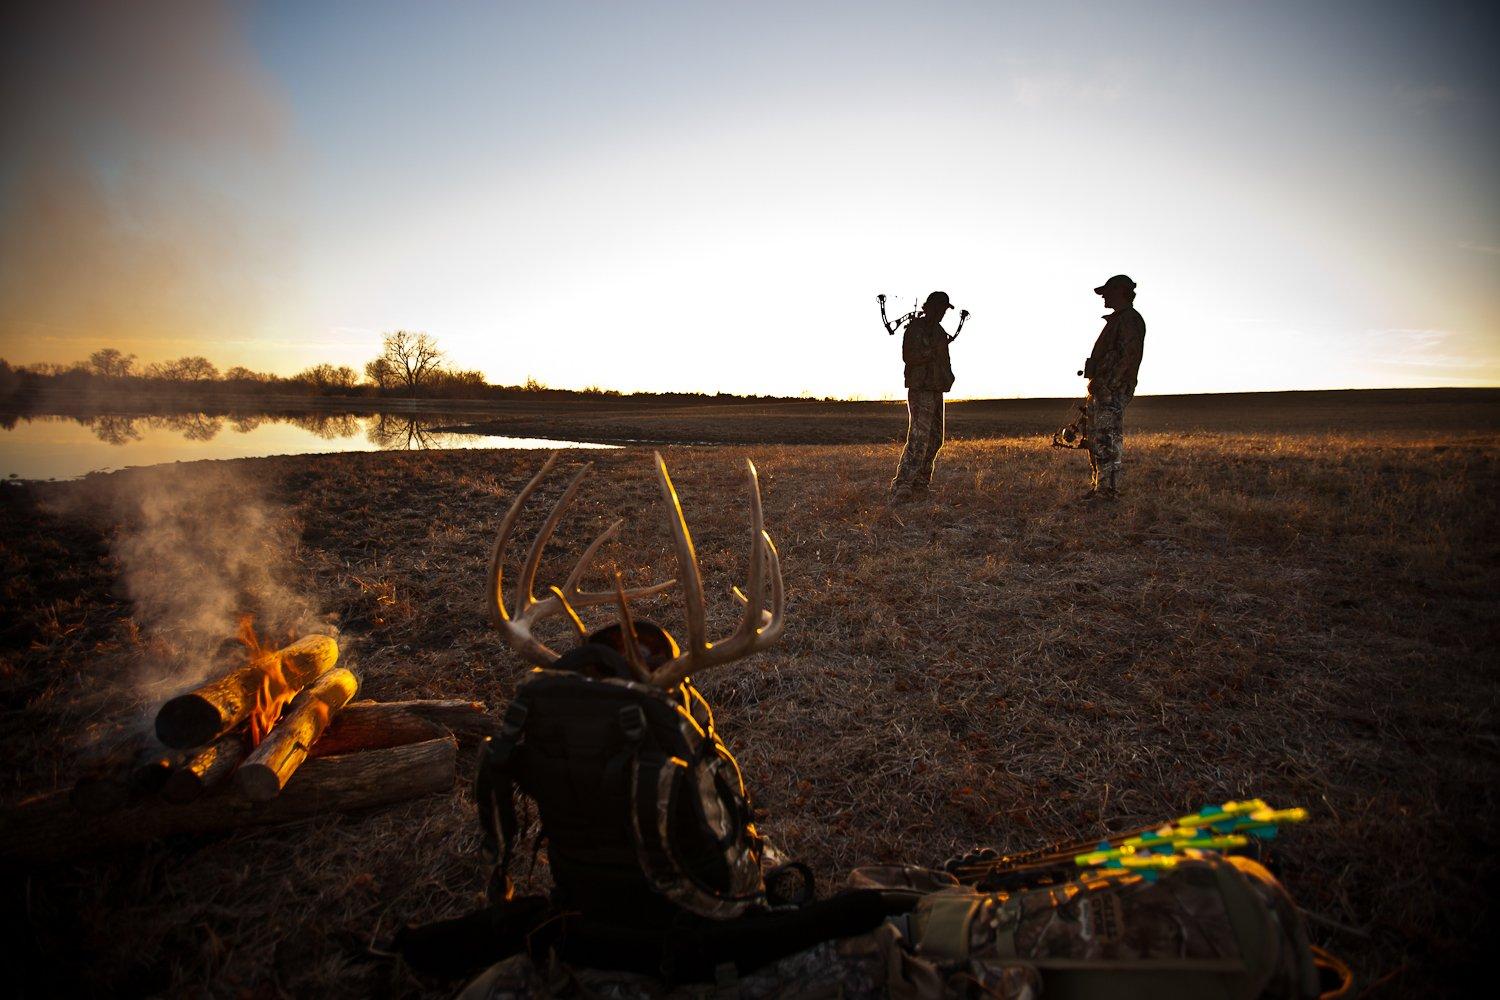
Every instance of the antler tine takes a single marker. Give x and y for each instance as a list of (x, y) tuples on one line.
[(755, 586), (760, 627), (627, 627), (495, 598), (518, 634), (687, 565), (524, 583), (516, 624), (777, 620), (590, 598), (579, 627)]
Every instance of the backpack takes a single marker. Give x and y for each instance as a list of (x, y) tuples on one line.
[(641, 805)]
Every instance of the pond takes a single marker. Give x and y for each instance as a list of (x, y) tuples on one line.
[(67, 447)]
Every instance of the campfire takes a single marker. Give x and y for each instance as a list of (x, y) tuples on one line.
[(276, 737)]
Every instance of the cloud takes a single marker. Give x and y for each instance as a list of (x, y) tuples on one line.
[(1484, 248)]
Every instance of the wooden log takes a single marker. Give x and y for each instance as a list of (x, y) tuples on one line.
[(206, 769), (48, 828), (208, 712), (265, 772), (369, 725), (465, 718), (127, 768)]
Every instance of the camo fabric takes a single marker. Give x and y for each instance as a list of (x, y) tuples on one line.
[(924, 436), (1195, 929), (924, 349), (1105, 419)]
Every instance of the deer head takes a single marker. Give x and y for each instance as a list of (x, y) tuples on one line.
[(653, 655)]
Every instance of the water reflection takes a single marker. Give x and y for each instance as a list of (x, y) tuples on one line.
[(66, 445), (113, 429), (385, 430), (404, 432)]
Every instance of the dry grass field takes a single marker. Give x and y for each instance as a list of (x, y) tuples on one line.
[(1304, 616)]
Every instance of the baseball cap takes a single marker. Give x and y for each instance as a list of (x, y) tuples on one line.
[(935, 300), (1119, 279)]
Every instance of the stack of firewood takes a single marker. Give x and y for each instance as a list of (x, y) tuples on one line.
[(278, 738)]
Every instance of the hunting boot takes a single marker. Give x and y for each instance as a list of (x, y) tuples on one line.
[(1109, 487)]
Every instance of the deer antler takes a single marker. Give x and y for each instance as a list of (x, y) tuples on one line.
[(517, 628), (759, 628)]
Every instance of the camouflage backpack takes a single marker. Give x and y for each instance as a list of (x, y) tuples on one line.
[(641, 805)]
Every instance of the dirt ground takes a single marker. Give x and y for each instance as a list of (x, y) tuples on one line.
[(1276, 609)]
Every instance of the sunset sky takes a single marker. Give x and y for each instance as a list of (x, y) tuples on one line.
[(708, 196)]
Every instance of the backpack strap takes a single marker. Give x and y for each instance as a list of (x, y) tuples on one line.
[(632, 721), (656, 786), (494, 793)]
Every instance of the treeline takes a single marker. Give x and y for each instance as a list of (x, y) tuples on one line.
[(410, 366)]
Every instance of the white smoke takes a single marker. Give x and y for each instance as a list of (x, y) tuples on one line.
[(197, 549)]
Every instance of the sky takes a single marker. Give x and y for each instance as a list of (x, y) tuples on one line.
[(709, 196)]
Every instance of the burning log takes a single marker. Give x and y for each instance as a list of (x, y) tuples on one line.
[(49, 828), (201, 716), (266, 770), (206, 769)]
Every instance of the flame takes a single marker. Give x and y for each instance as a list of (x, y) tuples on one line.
[(273, 692)]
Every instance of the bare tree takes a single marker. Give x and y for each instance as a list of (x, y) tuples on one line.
[(111, 363), (413, 359), (326, 376), (380, 373), (193, 368)]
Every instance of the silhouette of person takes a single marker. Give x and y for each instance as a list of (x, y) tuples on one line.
[(1112, 370), (929, 374)]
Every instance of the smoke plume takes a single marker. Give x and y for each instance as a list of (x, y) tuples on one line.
[(197, 549)]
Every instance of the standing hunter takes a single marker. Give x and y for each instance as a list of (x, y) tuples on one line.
[(1111, 370), (929, 374)]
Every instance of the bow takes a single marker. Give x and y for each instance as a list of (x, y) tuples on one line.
[(890, 327)]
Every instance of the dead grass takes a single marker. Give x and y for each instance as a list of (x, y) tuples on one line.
[(1310, 619)]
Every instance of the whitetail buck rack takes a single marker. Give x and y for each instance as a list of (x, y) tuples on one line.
[(760, 626)]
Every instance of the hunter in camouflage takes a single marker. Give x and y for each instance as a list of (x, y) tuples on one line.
[(1112, 370), (929, 374)]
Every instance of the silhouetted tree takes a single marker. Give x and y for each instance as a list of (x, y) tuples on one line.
[(412, 358), (326, 376), (111, 363), (193, 368), (381, 374)]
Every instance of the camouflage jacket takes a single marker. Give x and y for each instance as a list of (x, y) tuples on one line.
[(1116, 359), (924, 348)]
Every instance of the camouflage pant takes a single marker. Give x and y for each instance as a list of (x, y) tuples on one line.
[(1106, 436), (924, 436)]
